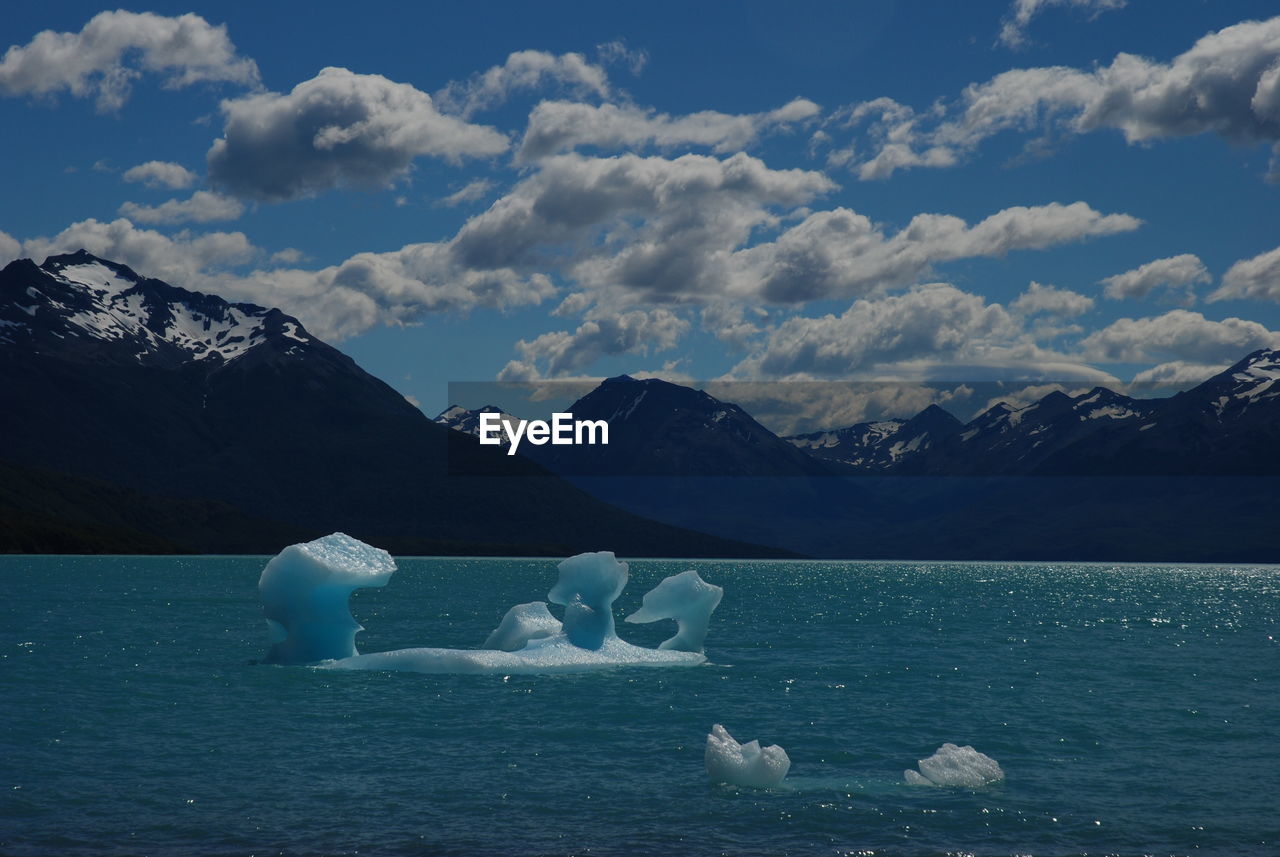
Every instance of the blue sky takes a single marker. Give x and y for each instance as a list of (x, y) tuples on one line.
[(701, 191)]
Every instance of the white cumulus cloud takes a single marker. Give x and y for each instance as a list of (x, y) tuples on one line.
[(648, 225), (558, 126), (1257, 278), (185, 260), (337, 129), (201, 207), (840, 253), (1175, 278), (933, 321), (562, 353), (1178, 335), (1227, 83), (528, 71), (1040, 299), (161, 174), (115, 48)]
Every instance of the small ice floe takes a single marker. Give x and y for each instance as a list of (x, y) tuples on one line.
[(746, 764), (963, 767)]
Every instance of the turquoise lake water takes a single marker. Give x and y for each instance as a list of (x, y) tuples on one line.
[(1134, 710)]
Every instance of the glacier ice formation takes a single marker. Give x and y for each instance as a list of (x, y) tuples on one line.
[(305, 590), (689, 600), (964, 767), (589, 584), (746, 764)]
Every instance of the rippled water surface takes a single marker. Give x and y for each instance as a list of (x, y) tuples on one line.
[(1134, 709)]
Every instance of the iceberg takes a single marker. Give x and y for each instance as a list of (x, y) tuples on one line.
[(748, 764), (306, 588), (963, 767), (689, 600), (589, 584)]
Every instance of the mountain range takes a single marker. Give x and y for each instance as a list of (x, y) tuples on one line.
[(1096, 475), (1227, 426), (139, 416), (142, 417)]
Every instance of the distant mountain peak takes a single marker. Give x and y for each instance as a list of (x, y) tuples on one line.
[(1239, 388), (997, 411), (880, 444), (657, 427), (1261, 364), (60, 261), (79, 302), (935, 416), (467, 420), (1262, 355)]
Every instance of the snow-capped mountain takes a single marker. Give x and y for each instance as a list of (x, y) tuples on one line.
[(879, 446), (1252, 384), (106, 309), (1006, 440), (660, 428), (1228, 425)]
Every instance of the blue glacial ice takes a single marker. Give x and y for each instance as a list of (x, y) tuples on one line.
[(962, 767), (748, 764), (305, 592), (689, 600), (589, 584)]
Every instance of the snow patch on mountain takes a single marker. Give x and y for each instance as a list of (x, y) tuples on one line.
[(1115, 412)]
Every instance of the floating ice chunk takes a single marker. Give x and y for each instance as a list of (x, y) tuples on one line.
[(747, 764), (589, 584), (305, 591), (523, 623), (689, 600), (956, 766)]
